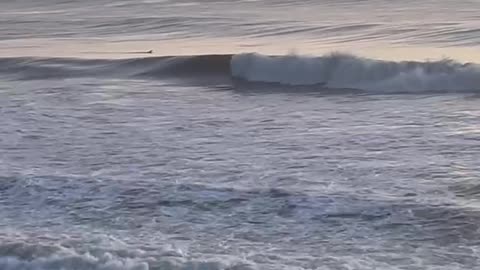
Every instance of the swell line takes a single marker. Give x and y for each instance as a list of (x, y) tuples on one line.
[(333, 71)]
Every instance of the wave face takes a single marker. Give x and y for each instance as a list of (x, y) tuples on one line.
[(334, 71)]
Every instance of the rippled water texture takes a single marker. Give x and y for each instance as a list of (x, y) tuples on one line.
[(368, 28), (211, 153)]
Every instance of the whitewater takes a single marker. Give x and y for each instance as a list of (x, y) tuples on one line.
[(256, 134)]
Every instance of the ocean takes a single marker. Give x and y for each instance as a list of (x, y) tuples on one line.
[(239, 135)]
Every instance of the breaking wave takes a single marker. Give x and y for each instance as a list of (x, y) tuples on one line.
[(334, 71), (347, 71)]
